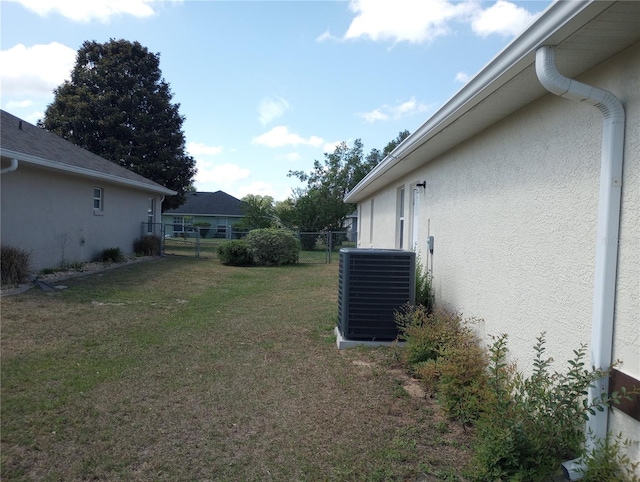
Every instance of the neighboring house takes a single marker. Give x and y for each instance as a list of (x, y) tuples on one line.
[(508, 180), (63, 204), (219, 210)]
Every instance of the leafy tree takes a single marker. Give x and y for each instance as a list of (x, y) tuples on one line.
[(394, 143), (320, 205), (117, 105), (375, 156), (286, 213), (258, 212)]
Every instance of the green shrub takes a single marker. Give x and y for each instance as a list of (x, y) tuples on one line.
[(204, 228), (531, 425), (426, 334), (147, 246), (273, 247), (446, 354), (235, 253), (14, 265), (424, 292), (308, 241), (110, 255), (608, 462), (459, 377)]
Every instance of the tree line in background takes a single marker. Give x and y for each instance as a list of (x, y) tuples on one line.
[(118, 106), (318, 206)]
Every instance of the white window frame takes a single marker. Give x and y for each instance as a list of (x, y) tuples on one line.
[(359, 232), (401, 212), (415, 216), (151, 214), (178, 223), (98, 200), (371, 224)]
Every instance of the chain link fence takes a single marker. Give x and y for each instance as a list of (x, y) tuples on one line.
[(197, 242)]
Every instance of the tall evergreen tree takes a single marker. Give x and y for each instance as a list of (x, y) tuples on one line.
[(118, 106)]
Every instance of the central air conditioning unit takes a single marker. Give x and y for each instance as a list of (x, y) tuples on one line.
[(373, 284)]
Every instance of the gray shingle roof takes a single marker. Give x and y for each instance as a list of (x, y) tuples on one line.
[(41, 147), (217, 203)]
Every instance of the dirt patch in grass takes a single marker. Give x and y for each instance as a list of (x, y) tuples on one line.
[(189, 370)]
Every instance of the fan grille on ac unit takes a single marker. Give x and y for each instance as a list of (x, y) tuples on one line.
[(373, 284)]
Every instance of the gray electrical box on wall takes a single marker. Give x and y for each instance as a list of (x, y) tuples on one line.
[(430, 244), (373, 284)]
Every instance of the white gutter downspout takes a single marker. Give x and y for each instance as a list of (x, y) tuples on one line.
[(607, 239), (11, 168)]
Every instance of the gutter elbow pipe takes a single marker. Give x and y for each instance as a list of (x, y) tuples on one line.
[(11, 168), (606, 257)]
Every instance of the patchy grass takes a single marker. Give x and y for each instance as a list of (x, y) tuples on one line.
[(185, 369)]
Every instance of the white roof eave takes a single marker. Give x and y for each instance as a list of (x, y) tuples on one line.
[(39, 161), (560, 20)]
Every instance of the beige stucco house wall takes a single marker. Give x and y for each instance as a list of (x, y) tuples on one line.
[(513, 212), (63, 204), (51, 215)]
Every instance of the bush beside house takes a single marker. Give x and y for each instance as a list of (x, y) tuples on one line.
[(14, 265), (525, 427)]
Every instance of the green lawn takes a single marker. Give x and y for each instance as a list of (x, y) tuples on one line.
[(184, 369)]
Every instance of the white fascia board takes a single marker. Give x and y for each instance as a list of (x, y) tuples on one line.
[(39, 161), (558, 21)]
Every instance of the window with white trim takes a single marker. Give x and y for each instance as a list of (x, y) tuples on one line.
[(151, 209), (98, 200), (178, 224)]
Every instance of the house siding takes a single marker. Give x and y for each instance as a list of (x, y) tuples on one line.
[(49, 214), (514, 211)]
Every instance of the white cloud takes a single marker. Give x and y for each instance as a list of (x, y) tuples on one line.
[(280, 136), (326, 35), (33, 117), (199, 149), (88, 10), (19, 104), (331, 146), (374, 115), (292, 157), (413, 21), (271, 108), (503, 17), (35, 70), (259, 188), (463, 77), (209, 172), (395, 112), (419, 21)]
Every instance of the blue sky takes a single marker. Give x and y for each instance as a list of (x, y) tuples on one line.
[(269, 86)]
